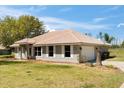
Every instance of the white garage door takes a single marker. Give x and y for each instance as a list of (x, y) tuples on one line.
[(88, 52)]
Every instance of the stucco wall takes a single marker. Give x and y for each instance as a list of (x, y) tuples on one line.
[(58, 55), (77, 54)]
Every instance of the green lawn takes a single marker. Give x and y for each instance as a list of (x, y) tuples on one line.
[(118, 53), (31, 74)]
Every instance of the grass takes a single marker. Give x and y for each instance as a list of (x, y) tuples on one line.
[(117, 53), (7, 56), (42, 75)]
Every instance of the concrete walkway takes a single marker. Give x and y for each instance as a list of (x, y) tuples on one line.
[(117, 64)]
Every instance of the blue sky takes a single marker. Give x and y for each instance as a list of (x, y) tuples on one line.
[(86, 19)]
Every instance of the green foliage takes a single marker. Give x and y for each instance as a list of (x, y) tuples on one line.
[(108, 38), (117, 54), (13, 29), (122, 45)]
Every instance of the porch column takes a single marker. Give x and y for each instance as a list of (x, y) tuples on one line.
[(32, 51), (62, 49), (46, 51), (54, 51), (72, 52), (20, 52)]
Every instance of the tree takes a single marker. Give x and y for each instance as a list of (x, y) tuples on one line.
[(13, 29), (30, 26), (88, 34), (108, 38), (122, 45), (105, 37), (100, 36), (7, 27)]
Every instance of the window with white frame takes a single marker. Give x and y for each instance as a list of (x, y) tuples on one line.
[(67, 51), (37, 51), (50, 48)]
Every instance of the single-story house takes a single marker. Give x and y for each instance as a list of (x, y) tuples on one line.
[(4, 51), (60, 46)]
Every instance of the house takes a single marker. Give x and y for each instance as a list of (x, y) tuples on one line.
[(4, 51), (62, 46)]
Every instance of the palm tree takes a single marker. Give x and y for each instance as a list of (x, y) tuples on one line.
[(108, 38)]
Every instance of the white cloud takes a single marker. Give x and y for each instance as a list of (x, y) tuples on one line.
[(37, 8), (53, 22), (99, 19), (112, 8), (65, 9), (4, 11), (115, 7), (120, 24), (57, 23)]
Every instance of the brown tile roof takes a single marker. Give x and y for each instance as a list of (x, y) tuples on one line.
[(25, 41), (66, 36), (14, 45), (60, 37)]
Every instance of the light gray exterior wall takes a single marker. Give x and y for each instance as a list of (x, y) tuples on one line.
[(58, 57), (78, 53)]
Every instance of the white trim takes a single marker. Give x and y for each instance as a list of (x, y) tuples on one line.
[(47, 51), (62, 49), (71, 51), (54, 51), (41, 51)]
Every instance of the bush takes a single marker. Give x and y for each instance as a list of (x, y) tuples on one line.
[(7, 56)]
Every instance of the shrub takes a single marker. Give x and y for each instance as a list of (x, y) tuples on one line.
[(7, 56)]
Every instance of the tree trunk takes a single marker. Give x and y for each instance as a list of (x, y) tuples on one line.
[(98, 57)]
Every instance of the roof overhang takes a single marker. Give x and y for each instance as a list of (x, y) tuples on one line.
[(14, 45), (75, 43)]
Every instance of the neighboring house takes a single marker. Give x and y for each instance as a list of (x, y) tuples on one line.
[(60, 46), (4, 51)]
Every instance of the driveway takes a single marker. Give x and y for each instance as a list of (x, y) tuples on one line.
[(117, 64)]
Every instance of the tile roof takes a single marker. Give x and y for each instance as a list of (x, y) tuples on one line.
[(60, 37)]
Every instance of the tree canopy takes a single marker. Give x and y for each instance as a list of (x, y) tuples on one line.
[(13, 29), (122, 44), (105, 37)]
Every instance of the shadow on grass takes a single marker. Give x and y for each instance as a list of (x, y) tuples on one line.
[(11, 62), (110, 57), (38, 66), (51, 66)]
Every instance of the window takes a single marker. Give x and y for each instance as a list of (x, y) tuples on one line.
[(37, 51), (67, 51), (51, 51)]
